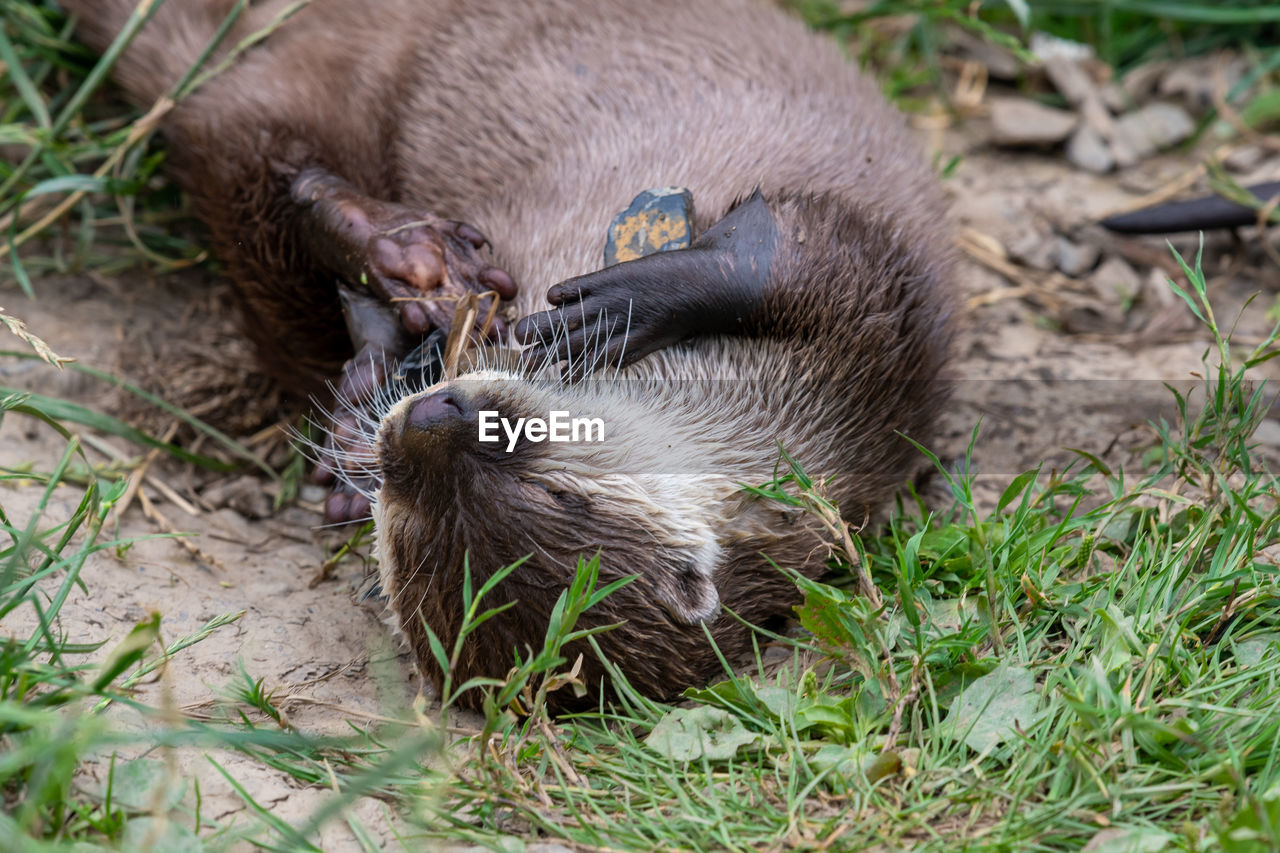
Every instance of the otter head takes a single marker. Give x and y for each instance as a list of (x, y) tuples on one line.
[(494, 467)]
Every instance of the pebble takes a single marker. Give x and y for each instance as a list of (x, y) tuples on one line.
[(1030, 247), (231, 526), (1196, 81), (244, 494), (1073, 259), (1115, 98), (1088, 320), (1154, 127), (657, 220), (312, 493), (1157, 292), (1069, 76), (1001, 64), (1115, 280), (1097, 146), (1019, 122), (1048, 48), (1244, 159), (1088, 150), (1140, 82)]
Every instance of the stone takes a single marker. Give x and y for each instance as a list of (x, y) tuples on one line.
[(1115, 98), (1116, 281), (1100, 148), (230, 526), (1196, 81), (1154, 127), (1095, 114), (1088, 150), (1017, 122), (1047, 48), (312, 493), (1074, 259), (1089, 320), (1140, 82), (1122, 152), (1070, 77), (244, 494), (657, 220), (1031, 247), (1001, 64), (1244, 159)]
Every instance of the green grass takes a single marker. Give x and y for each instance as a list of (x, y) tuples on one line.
[(1100, 651)]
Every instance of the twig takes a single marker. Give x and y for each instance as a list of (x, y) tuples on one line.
[(558, 757), (160, 486), (156, 517), (913, 692)]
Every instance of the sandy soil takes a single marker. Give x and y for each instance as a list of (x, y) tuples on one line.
[(1046, 359)]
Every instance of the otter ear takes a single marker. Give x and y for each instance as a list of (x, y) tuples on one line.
[(687, 591)]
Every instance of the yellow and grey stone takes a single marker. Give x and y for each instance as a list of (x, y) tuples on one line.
[(656, 221)]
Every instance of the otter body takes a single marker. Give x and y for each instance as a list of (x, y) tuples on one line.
[(812, 316)]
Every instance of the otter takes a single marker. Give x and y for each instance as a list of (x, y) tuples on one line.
[(353, 161)]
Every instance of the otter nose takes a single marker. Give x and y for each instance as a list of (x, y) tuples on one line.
[(432, 410)]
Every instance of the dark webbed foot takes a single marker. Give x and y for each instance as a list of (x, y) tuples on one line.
[(620, 314)]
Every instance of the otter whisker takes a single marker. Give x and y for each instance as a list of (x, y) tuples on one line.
[(336, 524), (430, 580), (626, 334)]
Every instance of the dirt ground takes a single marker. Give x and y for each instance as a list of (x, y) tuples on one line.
[(1059, 349)]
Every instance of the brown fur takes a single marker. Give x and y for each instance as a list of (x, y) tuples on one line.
[(537, 122)]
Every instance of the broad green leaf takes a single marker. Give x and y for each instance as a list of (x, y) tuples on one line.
[(1250, 652), (779, 702), (1131, 840), (845, 763), (987, 712), (149, 833), (136, 784), (687, 734), (949, 614), (832, 716)]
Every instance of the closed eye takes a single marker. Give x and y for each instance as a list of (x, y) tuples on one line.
[(568, 500)]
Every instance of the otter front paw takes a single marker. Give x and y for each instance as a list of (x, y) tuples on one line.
[(415, 260), (620, 314), (346, 459)]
